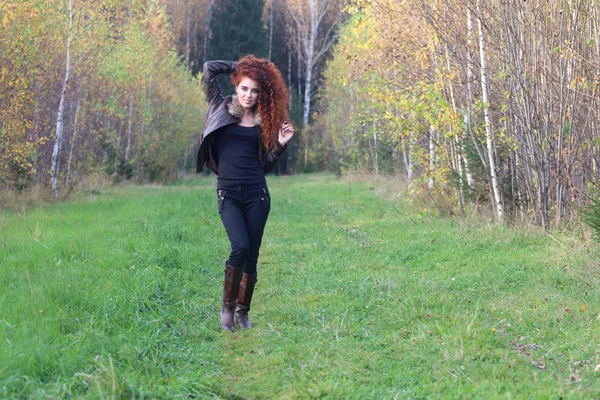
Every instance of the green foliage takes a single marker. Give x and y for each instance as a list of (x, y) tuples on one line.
[(130, 109), (591, 216), (320, 155), (117, 295), (591, 212), (238, 30), (373, 117)]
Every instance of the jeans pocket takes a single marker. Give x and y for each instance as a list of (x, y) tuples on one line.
[(220, 199), (265, 199)]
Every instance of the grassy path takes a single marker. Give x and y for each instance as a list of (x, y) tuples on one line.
[(117, 296)]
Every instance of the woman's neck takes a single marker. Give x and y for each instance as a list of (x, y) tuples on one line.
[(247, 117), (248, 113)]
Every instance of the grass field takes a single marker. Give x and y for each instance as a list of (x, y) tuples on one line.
[(117, 295)]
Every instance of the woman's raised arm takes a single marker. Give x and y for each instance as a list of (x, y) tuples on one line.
[(210, 71)]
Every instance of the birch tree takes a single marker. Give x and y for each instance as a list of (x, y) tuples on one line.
[(315, 22), (61, 106), (491, 157), (527, 93), (91, 87)]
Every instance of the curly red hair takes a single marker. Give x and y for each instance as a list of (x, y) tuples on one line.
[(272, 96)]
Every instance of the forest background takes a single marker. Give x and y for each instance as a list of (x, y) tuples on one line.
[(471, 101), (112, 88)]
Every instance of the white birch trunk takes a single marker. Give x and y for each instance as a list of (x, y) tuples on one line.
[(307, 89), (376, 158), (411, 164), (431, 154), (404, 155), (309, 51), (61, 107), (457, 158), (128, 147), (299, 72), (488, 121), (470, 75), (313, 48)]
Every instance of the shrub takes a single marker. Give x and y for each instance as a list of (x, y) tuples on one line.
[(591, 213)]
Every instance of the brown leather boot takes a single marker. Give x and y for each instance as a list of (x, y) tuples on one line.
[(231, 289), (244, 300)]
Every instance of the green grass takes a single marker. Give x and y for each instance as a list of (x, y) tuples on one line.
[(117, 295)]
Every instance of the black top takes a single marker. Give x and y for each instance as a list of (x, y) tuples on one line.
[(239, 163)]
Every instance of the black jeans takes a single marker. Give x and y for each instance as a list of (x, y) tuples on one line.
[(244, 211)]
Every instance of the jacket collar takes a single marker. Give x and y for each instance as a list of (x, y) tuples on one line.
[(236, 110)]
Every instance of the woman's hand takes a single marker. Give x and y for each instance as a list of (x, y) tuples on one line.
[(285, 132)]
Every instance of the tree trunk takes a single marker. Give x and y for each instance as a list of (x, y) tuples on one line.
[(307, 88), (299, 73), (431, 155), (407, 155), (468, 113), (488, 121), (375, 148), (310, 43), (61, 107), (128, 147)]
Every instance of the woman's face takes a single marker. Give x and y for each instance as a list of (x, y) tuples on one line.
[(247, 92)]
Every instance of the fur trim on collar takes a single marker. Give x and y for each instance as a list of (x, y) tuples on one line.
[(236, 109)]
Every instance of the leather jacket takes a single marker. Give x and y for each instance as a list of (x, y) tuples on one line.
[(219, 114)]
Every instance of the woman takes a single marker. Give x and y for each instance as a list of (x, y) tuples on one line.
[(244, 136)]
